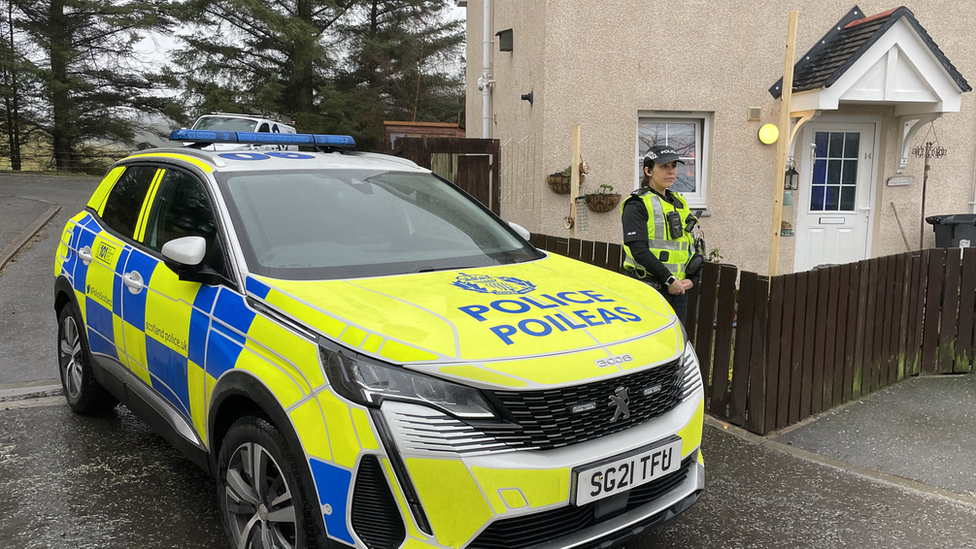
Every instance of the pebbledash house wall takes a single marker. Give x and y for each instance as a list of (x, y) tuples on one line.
[(603, 64)]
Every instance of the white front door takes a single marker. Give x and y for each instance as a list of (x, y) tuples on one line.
[(834, 201)]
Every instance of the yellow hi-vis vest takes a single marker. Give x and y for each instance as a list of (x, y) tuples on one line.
[(679, 249)]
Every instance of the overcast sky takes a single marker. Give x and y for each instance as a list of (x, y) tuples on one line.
[(154, 49)]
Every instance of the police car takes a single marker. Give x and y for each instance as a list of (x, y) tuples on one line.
[(233, 122), (364, 356)]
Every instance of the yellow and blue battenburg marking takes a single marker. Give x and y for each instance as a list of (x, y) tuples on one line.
[(526, 327)]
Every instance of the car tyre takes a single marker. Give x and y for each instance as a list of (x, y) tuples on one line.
[(82, 391), (262, 504)]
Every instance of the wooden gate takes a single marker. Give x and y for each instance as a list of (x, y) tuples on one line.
[(471, 164)]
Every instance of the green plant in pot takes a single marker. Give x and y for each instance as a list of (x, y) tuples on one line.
[(603, 200)]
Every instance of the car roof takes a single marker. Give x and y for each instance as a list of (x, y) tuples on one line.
[(257, 160)]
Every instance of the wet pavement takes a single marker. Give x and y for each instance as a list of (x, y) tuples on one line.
[(108, 481), (922, 429)]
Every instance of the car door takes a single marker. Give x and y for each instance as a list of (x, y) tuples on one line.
[(103, 250), (176, 313)]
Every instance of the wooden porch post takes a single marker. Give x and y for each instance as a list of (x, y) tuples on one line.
[(783, 144)]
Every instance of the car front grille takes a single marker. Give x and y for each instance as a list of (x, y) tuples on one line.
[(525, 531), (546, 419), (375, 516)]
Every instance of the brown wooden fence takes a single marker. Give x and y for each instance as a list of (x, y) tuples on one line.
[(775, 350)]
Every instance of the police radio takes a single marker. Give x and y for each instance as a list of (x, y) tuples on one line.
[(675, 229)]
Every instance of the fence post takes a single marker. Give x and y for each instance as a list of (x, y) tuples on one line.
[(967, 310), (723, 341)]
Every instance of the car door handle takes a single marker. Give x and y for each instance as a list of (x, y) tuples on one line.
[(133, 281), (85, 255)]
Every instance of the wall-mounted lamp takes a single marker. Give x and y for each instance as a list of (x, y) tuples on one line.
[(791, 178), (528, 97), (504, 40), (768, 134), (790, 183)]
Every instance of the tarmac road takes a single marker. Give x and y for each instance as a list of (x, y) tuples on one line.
[(28, 328), (109, 481)]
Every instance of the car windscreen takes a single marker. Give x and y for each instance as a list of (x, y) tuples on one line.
[(225, 124), (306, 225)]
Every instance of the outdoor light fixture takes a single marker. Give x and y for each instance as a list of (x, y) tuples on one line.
[(791, 178), (505, 41), (768, 134), (790, 183)]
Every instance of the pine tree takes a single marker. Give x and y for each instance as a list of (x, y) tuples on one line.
[(92, 84)]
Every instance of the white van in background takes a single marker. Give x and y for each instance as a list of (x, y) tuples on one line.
[(231, 122)]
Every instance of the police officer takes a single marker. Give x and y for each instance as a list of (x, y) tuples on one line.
[(656, 227)]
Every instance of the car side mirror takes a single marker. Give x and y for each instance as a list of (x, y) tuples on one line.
[(520, 230), (184, 256)]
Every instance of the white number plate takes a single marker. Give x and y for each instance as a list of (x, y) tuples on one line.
[(621, 474)]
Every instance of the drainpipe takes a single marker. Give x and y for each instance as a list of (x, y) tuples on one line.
[(485, 82), (973, 203)]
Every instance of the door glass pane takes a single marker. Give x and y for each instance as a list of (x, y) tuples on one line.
[(851, 144), (833, 172), (847, 198), (821, 144), (832, 198), (819, 171), (836, 145), (850, 172), (817, 198)]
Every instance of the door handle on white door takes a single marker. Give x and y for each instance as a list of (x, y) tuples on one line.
[(133, 281), (85, 255)]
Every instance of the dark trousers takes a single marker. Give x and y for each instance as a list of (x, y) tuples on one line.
[(678, 302)]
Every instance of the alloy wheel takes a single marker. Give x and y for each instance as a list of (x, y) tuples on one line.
[(259, 500), (69, 349)]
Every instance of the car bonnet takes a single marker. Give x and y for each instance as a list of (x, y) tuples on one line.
[(542, 323)]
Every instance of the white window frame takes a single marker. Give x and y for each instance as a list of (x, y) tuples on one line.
[(703, 135)]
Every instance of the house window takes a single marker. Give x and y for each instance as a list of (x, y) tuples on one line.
[(687, 133)]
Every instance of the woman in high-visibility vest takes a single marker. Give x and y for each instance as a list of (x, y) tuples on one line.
[(657, 238)]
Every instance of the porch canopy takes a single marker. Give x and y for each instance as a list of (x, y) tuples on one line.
[(884, 59)]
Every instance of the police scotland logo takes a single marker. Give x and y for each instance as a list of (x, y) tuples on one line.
[(498, 285)]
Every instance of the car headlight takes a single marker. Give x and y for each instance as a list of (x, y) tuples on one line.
[(690, 371), (370, 382)]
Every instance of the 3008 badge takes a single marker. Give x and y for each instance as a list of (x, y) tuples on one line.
[(614, 360)]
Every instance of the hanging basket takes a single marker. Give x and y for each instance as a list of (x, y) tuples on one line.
[(602, 202), (559, 183)]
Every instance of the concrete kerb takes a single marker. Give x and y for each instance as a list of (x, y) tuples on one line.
[(24, 237), (16, 390), (864, 472)]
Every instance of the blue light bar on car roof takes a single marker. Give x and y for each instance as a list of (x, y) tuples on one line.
[(262, 138)]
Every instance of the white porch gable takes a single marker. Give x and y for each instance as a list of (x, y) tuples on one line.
[(884, 59)]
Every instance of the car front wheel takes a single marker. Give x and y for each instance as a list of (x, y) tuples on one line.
[(261, 502), (81, 389)]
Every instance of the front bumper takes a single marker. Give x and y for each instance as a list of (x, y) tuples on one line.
[(477, 500)]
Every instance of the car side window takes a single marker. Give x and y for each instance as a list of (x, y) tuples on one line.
[(183, 208), (124, 202), (265, 128)]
